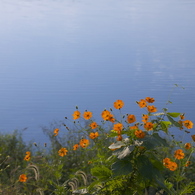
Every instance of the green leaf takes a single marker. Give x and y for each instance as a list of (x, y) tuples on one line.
[(153, 141), (187, 188), (57, 174), (101, 172), (112, 134), (162, 141), (60, 167), (158, 164), (122, 167), (165, 125), (166, 186), (146, 169), (174, 114), (93, 184), (175, 123)]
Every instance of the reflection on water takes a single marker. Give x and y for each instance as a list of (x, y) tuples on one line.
[(58, 54)]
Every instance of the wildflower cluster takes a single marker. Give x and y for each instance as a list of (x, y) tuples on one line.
[(170, 164), (142, 135), (123, 151), (86, 115), (133, 128)]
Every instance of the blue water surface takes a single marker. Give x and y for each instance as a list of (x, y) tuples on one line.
[(57, 54)]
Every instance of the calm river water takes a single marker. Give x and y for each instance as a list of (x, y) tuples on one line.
[(57, 54)]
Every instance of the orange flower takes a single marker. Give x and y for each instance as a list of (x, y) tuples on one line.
[(111, 118), (187, 163), (75, 147), (139, 134), (166, 162), (169, 164), (149, 99), (193, 137), (27, 157), (56, 132), (84, 143), (131, 118), (142, 103), (76, 115), (28, 153), (118, 104), (119, 138), (62, 152), (152, 109), (87, 115), (188, 124), (179, 154), (23, 178), (145, 118), (172, 166), (93, 125), (148, 126), (118, 127), (106, 114), (135, 127), (93, 135), (187, 146), (182, 117)]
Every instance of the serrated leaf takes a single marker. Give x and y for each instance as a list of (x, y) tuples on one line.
[(153, 141), (174, 114), (122, 167), (165, 187), (161, 140), (146, 168), (187, 188)]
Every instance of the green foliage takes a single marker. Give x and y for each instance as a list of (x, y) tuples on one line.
[(102, 173), (187, 188), (153, 141), (173, 114), (122, 167), (164, 125), (133, 159), (173, 122)]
